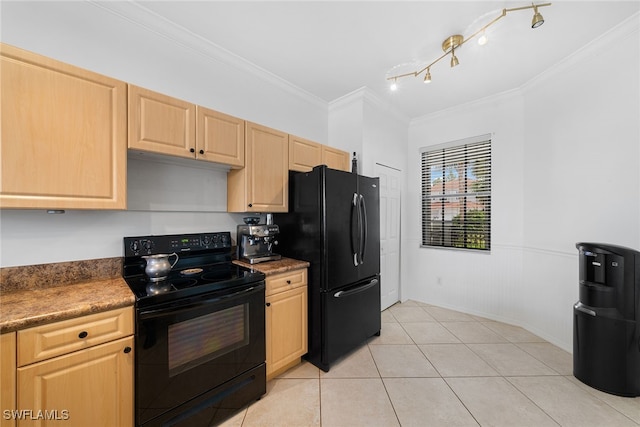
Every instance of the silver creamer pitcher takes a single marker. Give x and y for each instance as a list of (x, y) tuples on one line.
[(158, 266)]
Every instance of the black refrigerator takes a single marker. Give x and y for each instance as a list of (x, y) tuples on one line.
[(334, 223)]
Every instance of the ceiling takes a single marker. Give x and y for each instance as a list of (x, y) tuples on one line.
[(332, 48)]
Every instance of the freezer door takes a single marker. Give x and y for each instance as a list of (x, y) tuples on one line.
[(352, 315), (341, 244)]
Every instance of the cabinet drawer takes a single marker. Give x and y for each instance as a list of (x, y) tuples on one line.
[(285, 281), (51, 340)]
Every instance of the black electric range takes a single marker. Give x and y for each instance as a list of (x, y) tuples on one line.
[(200, 330), (204, 265)]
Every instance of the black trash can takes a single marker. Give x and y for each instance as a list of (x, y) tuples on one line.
[(606, 335)]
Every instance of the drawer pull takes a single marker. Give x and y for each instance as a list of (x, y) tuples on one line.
[(83, 334), (268, 304), (288, 282), (127, 349)]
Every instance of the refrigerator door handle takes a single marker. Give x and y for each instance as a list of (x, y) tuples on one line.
[(581, 307), (363, 238), (355, 246), (342, 294)]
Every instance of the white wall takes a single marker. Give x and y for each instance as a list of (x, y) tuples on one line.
[(163, 58), (377, 132), (346, 118), (476, 282), (565, 168), (582, 170)]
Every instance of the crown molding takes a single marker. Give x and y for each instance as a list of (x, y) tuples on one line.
[(366, 96), (137, 14), (630, 27), (471, 105)]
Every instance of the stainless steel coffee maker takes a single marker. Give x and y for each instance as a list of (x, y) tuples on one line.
[(256, 241)]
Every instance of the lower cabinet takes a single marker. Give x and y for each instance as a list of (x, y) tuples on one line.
[(92, 387), (7, 377), (286, 320), (76, 372)]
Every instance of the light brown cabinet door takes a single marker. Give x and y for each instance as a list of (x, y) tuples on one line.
[(7, 376), (219, 138), (263, 184), (286, 328), (335, 159), (303, 154), (94, 386), (161, 124), (64, 135)]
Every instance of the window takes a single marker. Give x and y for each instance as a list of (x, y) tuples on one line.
[(456, 194)]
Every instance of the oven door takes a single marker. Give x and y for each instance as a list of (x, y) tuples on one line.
[(188, 347)]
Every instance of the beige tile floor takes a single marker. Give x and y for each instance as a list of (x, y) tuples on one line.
[(435, 367)]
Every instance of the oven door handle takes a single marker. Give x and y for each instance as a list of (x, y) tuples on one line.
[(175, 309)]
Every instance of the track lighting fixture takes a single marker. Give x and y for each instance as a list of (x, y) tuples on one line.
[(427, 76), (537, 18), (454, 59), (451, 43)]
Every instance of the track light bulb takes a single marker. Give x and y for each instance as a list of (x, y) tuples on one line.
[(394, 85), (537, 18), (427, 76), (482, 40)]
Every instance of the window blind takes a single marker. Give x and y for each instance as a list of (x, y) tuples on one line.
[(456, 196)]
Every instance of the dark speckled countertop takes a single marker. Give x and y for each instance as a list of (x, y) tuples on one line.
[(274, 267), (38, 294)]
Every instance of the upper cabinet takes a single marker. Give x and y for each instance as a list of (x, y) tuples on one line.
[(335, 159), (263, 184), (305, 154), (219, 138), (162, 124), (64, 135)]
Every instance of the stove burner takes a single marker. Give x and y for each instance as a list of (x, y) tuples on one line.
[(155, 288), (164, 286), (183, 283), (191, 271)]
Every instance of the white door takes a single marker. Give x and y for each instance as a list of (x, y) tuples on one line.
[(390, 181)]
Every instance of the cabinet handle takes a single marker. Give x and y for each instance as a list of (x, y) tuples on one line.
[(201, 151), (288, 282), (268, 304), (83, 334), (192, 150), (250, 205), (127, 349)]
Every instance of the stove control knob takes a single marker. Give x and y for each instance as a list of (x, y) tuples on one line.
[(135, 246), (206, 240), (146, 244)]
